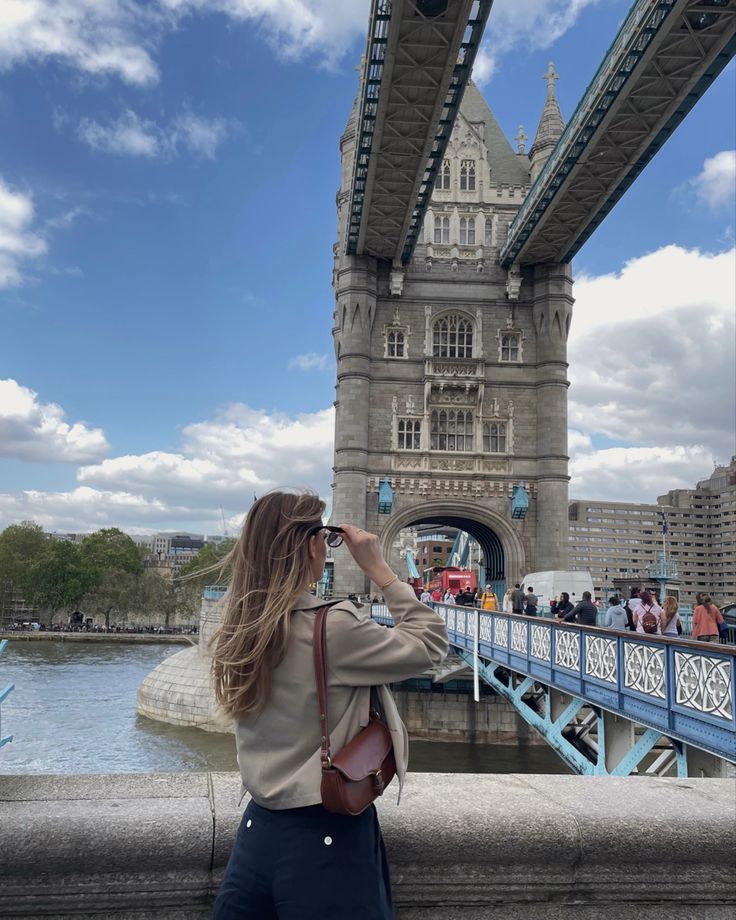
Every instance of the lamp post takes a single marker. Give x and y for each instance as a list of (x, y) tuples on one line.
[(605, 586)]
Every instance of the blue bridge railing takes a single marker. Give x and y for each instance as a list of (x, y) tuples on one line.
[(682, 688), (4, 739)]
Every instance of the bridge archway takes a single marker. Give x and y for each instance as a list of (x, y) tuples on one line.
[(502, 549)]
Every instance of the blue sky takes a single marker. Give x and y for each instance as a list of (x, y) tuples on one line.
[(167, 213)]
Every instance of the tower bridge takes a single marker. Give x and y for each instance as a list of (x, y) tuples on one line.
[(452, 277)]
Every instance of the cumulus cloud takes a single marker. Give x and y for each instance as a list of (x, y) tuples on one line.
[(651, 356), (118, 38), (531, 24), (18, 240), (97, 37), (131, 135), (310, 361), (36, 431), (225, 460), (715, 184)]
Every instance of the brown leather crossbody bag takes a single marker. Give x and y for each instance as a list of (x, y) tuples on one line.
[(355, 776)]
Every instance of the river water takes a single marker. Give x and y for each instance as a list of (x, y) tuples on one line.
[(73, 711)]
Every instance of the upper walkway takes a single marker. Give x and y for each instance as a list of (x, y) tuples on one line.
[(679, 688)]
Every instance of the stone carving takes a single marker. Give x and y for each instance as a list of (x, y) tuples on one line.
[(501, 632), (452, 465), (644, 669), (567, 649), (600, 658), (513, 282), (494, 407), (410, 404), (408, 463), (396, 282), (541, 642), (704, 684), (518, 637), (510, 409), (489, 467), (454, 370), (395, 404)]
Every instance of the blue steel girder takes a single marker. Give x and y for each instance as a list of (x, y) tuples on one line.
[(417, 63), (665, 56)]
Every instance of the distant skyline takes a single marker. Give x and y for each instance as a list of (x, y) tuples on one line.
[(167, 215)]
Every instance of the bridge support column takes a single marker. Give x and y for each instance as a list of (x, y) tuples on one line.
[(552, 313), (703, 764), (616, 739)]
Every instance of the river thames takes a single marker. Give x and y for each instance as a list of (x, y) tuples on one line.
[(73, 711)]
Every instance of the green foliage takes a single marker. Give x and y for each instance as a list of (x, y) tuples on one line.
[(157, 598), (20, 546), (115, 592), (57, 579), (110, 550), (197, 572)]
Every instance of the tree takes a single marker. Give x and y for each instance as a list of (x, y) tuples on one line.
[(20, 546), (111, 550), (57, 579), (157, 598), (114, 592), (200, 572)]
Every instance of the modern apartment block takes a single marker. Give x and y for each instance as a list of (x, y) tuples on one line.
[(618, 540)]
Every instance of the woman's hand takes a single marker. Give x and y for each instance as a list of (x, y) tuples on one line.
[(365, 549)]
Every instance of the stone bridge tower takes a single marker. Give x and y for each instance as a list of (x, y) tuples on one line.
[(451, 370)]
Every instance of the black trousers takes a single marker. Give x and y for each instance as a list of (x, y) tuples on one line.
[(306, 864)]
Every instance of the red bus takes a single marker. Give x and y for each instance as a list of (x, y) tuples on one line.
[(440, 578)]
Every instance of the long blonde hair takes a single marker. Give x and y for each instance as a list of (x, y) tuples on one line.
[(270, 566), (669, 609)]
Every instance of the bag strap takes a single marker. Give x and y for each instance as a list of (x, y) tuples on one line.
[(319, 649)]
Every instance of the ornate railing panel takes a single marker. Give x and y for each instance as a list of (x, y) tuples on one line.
[(682, 688)]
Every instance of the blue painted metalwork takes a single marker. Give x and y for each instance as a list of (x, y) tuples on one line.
[(519, 501), (411, 565), (681, 689), (214, 592), (385, 497), (4, 739)]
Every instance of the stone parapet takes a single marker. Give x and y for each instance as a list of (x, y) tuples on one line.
[(461, 847)]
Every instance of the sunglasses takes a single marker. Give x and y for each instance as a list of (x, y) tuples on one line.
[(333, 535)]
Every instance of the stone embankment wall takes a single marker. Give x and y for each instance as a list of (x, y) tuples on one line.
[(457, 717), (461, 847)]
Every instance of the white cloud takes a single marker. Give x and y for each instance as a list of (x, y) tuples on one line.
[(310, 361), (130, 135), (97, 37), (652, 358), (225, 460), (530, 24), (31, 430), (17, 239), (716, 183)]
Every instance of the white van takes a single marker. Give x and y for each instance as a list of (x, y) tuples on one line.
[(547, 585)]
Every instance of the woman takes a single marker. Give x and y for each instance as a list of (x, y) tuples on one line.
[(284, 865), (564, 606), (448, 597), (706, 620), (670, 622), (508, 606), (647, 615)]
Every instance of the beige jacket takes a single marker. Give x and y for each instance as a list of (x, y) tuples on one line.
[(278, 751)]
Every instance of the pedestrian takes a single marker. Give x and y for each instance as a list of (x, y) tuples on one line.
[(448, 597), (616, 615), (517, 600), (564, 605), (631, 604), (508, 605), (426, 596), (670, 622), (647, 615), (530, 602), (585, 612), (706, 620), (436, 595), (293, 859), (553, 606), (465, 598), (488, 599)]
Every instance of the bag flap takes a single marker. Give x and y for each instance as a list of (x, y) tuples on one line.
[(365, 753)]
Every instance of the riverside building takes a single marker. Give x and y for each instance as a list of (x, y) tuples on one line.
[(618, 541)]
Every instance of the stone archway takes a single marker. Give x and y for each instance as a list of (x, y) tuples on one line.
[(483, 524)]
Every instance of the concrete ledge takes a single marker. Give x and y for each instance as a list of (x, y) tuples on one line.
[(460, 846)]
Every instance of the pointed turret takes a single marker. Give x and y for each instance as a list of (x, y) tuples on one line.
[(551, 126)]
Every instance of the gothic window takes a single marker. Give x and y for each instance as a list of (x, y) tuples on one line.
[(467, 175), (451, 429), (442, 229), (510, 346), (452, 337), (443, 179), (409, 434), (489, 230), (395, 343), (467, 231), (494, 438)]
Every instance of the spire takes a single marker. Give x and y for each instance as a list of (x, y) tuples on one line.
[(551, 125)]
